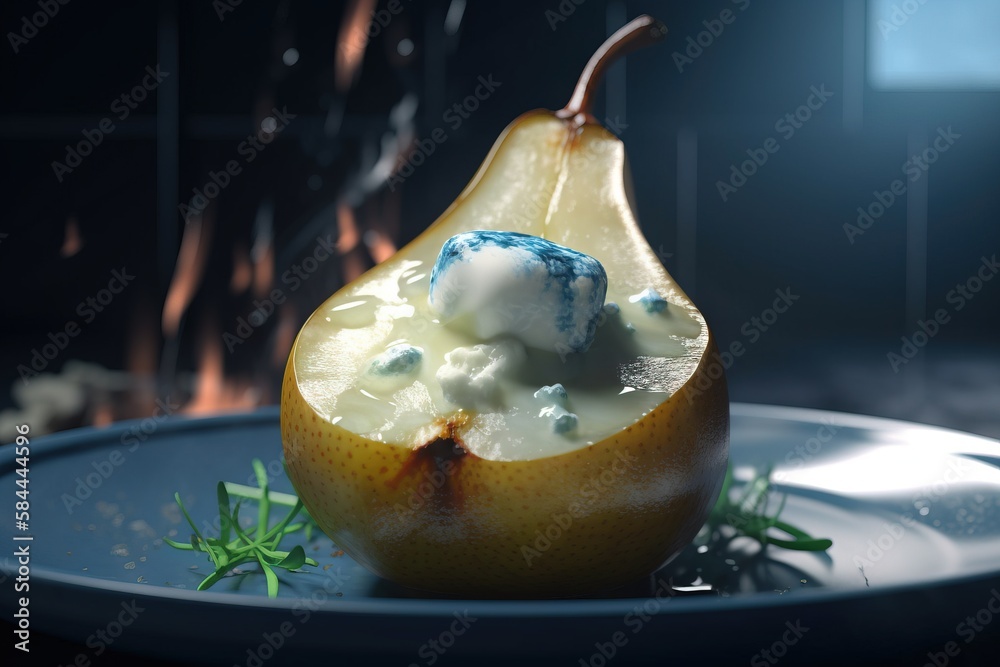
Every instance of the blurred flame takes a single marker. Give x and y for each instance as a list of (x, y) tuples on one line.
[(379, 245), (285, 335), (354, 266), (72, 241), (384, 215), (263, 269), (102, 415), (348, 238), (262, 252), (352, 41), (367, 229), (142, 357), (242, 271), (347, 229), (213, 391), (188, 272)]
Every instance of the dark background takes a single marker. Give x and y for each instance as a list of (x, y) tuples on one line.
[(59, 241), (683, 130)]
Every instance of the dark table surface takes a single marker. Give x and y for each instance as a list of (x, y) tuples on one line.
[(52, 652)]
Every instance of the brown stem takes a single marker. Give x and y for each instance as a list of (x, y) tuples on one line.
[(640, 32)]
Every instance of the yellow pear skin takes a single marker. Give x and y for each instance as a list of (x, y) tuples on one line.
[(430, 514)]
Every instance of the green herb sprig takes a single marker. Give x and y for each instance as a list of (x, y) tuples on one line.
[(747, 515), (741, 514), (257, 543)]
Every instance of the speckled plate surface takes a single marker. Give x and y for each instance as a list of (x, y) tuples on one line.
[(914, 513)]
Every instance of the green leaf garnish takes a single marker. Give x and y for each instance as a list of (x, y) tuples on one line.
[(258, 543), (747, 515)]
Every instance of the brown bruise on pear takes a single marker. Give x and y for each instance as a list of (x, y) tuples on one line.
[(436, 517)]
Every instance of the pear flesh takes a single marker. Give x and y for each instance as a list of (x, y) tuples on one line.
[(567, 191)]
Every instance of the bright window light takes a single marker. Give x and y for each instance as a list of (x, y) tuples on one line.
[(934, 44)]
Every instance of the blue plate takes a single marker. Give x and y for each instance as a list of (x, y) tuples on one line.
[(912, 510)]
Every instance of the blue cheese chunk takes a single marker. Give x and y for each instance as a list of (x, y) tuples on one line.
[(504, 283), (556, 402), (399, 359), (650, 300)]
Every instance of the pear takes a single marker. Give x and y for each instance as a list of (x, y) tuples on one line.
[(457, 464)]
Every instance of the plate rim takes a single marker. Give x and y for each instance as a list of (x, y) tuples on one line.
[(90, 436)]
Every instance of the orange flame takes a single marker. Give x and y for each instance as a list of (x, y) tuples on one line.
[(188, 272), (263, 270), (72, 241), (352, 41), (213, 391), (142, 357), (242, 271)]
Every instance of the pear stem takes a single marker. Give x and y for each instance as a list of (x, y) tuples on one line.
[(640, 32)]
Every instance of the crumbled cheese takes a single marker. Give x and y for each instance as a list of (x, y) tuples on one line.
[(470, 376)]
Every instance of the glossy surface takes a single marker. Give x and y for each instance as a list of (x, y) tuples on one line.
[(545, 178), (443, 519), (849, 478)]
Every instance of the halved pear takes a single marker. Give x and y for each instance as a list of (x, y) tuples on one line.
[(491, 500)]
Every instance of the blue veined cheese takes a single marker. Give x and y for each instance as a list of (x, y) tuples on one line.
[(546, 295), (563, 421), (399, 359), (555, 394), (649, 299)]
